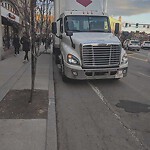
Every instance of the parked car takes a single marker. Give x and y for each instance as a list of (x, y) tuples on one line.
[(145, 44), (134, 45)]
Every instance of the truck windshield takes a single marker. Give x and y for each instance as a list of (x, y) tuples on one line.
[(87, 24)]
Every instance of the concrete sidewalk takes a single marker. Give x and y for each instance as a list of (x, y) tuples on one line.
[(23, 134)]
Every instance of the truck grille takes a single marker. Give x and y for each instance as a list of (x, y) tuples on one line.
[(101, 55)]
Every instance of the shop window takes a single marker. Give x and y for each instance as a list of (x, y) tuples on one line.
[(5, 5), (8, 7)]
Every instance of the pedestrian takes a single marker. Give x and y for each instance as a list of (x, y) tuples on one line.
[(16, 44), (25, 41), (48, 42), (38, 42), (43, 40)]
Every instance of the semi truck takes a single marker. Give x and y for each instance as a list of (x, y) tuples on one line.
[(83, 43)]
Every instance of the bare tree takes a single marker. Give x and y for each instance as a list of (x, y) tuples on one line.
[(28, 10), (24, 9)]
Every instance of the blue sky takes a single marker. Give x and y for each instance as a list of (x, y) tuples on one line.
[(139, 18)]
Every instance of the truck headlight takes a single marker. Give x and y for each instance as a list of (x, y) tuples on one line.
[(124, 59), (72, 60)]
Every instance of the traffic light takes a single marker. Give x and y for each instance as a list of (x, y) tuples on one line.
[(137, 25)]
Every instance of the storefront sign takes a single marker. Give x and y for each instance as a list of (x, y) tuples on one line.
[(7, 14)]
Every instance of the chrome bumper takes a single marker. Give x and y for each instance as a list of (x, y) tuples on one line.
[(107, 73)]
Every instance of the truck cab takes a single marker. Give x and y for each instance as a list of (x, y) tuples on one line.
[(86, 48)]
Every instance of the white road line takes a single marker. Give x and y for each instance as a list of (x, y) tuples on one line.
[(108, 105), (144, 75), (145, 60), (137, 54)]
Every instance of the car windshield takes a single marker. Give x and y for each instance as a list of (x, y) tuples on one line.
[(87, 24), (135, 42), (147, 42)]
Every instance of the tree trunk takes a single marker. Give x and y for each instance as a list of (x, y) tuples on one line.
[(33, 58)]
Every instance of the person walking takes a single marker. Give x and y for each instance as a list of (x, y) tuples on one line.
[(16, 44), (25, 41), (43, 40)]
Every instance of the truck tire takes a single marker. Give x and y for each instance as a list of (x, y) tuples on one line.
[(116, 79), (64, 78), (56, 52)]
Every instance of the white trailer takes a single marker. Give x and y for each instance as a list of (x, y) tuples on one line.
[(84, 45)]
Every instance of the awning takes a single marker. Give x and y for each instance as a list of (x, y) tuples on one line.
[(6, 21)]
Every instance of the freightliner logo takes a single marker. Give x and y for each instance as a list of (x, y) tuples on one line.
[(85, 3)]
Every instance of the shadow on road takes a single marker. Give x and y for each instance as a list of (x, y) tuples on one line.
[(133, 107)]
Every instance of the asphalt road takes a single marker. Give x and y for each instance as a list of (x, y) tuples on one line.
[(105, 114)]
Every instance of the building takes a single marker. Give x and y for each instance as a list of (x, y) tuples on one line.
[(10, 23), (113, 21)]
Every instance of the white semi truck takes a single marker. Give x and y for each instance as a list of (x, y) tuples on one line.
[(83, 44)]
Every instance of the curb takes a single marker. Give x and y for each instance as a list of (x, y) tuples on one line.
[(51, 134)]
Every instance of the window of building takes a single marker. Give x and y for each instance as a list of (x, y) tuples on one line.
[(5, 5), (9, 7)]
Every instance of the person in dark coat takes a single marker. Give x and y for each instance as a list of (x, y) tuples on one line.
[(16, 44), (25, 41), (43, 40)]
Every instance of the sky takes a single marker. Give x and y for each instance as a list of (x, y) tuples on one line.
[(132, 11)]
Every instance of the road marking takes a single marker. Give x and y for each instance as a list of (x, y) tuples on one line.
[(145, 60), (108, 105), (144, 74), (136, 53)]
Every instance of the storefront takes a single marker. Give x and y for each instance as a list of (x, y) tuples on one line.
[(10, 22)]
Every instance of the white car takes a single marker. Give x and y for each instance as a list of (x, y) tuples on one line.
[(145, 44), (134, 45)]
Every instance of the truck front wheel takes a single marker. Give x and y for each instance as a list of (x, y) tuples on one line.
[(56, 52), (64, 78)]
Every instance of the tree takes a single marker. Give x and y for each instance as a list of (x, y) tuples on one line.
[(28, 10), (24, 9)]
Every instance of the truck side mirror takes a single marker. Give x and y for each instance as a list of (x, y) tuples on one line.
[(116, 28), (69, 33), (54, 27)]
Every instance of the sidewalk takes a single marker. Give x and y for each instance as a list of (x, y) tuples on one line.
[(23, 134)]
